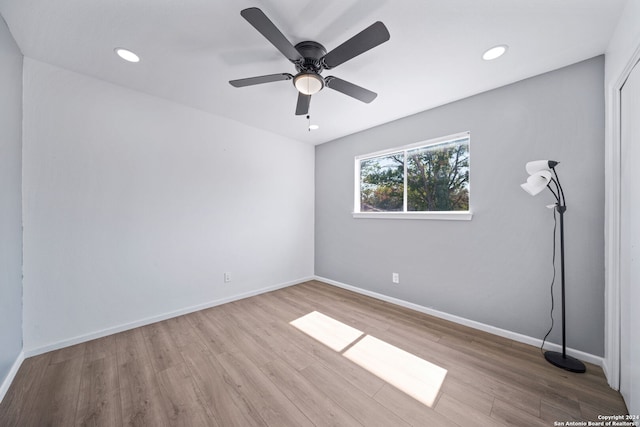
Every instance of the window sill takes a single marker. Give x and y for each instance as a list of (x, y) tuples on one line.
[(446, 216)]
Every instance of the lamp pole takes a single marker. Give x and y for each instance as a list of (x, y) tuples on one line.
[(561, 360)]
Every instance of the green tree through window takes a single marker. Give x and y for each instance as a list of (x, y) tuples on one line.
[(382, 184), (433, 177)]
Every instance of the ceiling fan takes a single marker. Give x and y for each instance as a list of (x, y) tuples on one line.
[(311, 58)]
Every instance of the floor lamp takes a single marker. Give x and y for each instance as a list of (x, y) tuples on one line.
[(542, 174)]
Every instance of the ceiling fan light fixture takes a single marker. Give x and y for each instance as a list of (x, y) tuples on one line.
[(308, 83)]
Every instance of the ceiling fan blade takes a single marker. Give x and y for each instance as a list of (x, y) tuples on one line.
[(260, 79), (366, 39), (350, 89), (302, 108), (259, 20)]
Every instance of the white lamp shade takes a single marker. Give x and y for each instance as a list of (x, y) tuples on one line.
[(308, 83), (536, 166), (537, 181)]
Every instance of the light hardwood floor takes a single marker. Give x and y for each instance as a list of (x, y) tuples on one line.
[(243, 364)]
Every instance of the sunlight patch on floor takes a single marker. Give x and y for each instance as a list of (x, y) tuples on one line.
[(329, 331), (411, 374), (414, 376)]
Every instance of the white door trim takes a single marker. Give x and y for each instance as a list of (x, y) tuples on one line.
[(613, 171)]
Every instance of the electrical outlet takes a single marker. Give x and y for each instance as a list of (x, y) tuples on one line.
[(395, 277), (227, 277)]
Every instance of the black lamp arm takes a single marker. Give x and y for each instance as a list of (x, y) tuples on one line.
[(561, 204), (561, 200), (556, 195)]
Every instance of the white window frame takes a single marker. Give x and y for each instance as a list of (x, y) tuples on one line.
[(440, 215)]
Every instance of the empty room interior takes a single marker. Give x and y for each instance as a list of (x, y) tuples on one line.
[(363, 213)]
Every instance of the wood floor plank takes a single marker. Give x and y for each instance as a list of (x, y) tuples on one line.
[(365, 306), (345, 313), (590, 412), (160, 346), (273, 406), (410, 410), (315, 404), (463, 415), (468, 394), (57, 396), (244, 364), (603, 403), (517, 396), (278, 308), (468, 372), (140, 397), (100, 347), (67, 353), (19, 400), (181, 332), (351, 372), (356, 403), (182, 399), (551, 411), (218, 390), (510, 415), (211, 328), (99, 401), (273, 338)]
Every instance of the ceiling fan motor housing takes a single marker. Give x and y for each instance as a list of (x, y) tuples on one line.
[(312, 53)]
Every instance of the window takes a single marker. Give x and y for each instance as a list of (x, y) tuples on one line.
[(429, 179)]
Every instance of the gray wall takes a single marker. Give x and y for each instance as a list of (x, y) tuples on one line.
[(496, 268), (10, 201)]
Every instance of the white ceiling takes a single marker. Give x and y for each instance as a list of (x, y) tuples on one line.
[(190, 49)]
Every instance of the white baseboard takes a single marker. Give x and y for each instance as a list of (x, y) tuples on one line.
[(585, 357), (605, 370), (4, 387), (153, 319)]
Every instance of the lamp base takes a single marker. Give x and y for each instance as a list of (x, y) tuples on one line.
[(565, 362)]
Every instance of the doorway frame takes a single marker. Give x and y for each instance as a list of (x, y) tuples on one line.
[(613, 198)]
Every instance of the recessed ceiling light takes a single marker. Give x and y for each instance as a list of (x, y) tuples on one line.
[(127, 55), (495, 52), (314, 127)]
